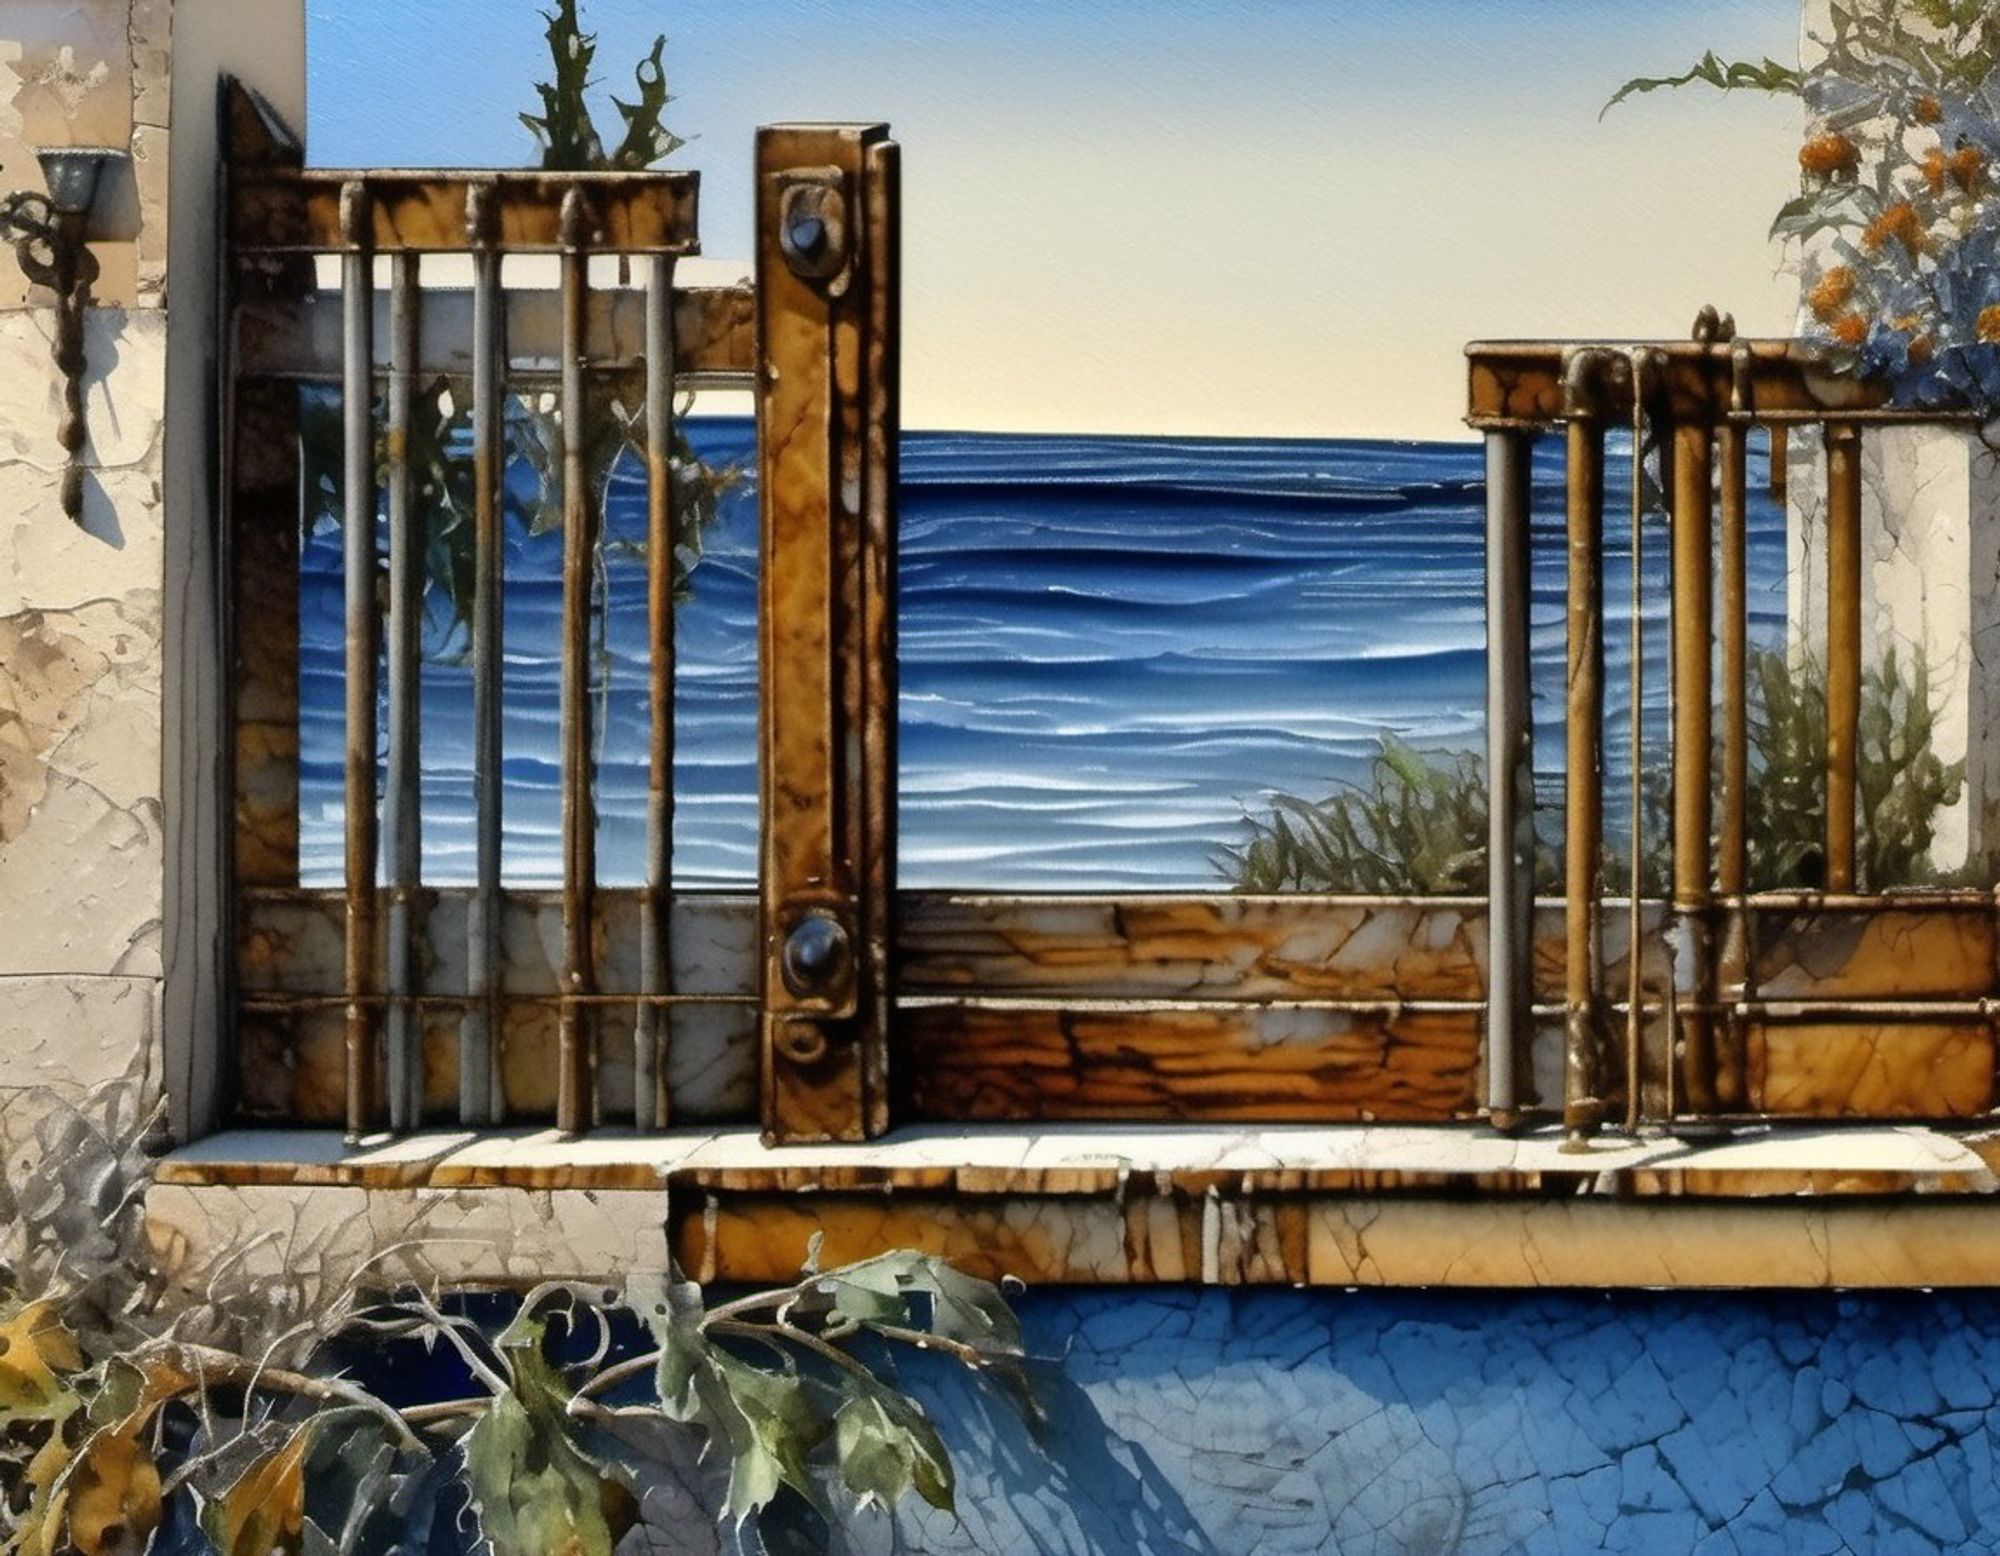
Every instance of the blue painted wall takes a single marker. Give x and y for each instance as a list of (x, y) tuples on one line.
[(1391, 1424)]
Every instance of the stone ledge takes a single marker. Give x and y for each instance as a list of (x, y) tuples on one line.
[(1774, 1207), (1068, 1160)]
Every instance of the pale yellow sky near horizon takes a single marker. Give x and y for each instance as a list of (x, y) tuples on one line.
[(1210, 217), (1317, 269)]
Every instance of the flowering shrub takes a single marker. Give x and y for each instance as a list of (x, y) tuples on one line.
[(1899, 217)]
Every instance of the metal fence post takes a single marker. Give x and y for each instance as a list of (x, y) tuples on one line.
[(826, 430)]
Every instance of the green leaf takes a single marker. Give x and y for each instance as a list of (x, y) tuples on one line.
[(780, 1425), (1735, 76), (533, 1490), (350, 1482), (887, 1445), (870, 1293), (970, 1310), (963, 1308), (672, 1310), (563, 129), (765, 1419), (647, 140)]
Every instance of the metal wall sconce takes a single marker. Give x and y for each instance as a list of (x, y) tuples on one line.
[(48, 231)]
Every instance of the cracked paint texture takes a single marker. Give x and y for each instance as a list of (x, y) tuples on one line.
[(1931, 583), (82, 820), (1394, 1424)]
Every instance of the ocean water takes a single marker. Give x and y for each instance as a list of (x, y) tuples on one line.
[(1113, 651)]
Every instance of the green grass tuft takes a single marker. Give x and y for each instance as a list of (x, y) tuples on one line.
[(1417, 825)]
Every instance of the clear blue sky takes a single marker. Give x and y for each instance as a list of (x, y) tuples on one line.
[(1277, 215)]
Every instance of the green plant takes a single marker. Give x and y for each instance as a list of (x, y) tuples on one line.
[(565, 128), (1897, 206), (1902, 784), (440, 456), (1418, 826), (145, 1405), (440, 443)]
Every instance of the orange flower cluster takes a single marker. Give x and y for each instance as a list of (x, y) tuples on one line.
[(1927, 110), (1988, 327), (1831, 294), (1830, 154), (1964, 167), (1850, 329), (1901, 224)]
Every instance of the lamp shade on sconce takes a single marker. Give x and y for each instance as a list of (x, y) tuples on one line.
[(72, 173)]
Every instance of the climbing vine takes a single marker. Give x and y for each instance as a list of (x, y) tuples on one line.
[(246, 1407)]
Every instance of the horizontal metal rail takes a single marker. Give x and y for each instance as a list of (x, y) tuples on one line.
[(297, 210), (713, 334), (279, 1004), (1521, 385)]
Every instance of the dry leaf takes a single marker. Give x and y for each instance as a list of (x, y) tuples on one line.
[(264, 1512), (36, 1347)]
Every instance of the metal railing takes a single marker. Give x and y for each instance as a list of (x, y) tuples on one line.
[(1689, 1025), (829, 1005), (405, 977)]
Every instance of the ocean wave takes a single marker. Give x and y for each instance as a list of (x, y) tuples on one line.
[(1113, 650)]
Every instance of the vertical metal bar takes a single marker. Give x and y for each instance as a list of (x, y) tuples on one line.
[(827, 421), (1781, 461), (579, 810), (232, 641), (479, 1098), (1643, 362), (1510, 757), (358, 581), (263, 599), (651, 1105), (1693, 637), (1843, 649), (1732, 856), (402, 802), (882, 187), (1583, 783)]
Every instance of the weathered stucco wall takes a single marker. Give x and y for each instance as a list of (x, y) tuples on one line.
[(1421, 1424), (91, 830), (81, 816), (1930, 575)]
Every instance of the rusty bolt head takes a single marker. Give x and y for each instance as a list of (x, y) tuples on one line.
[(806, 237), (816, 954), (802, 1042), (812, 226)]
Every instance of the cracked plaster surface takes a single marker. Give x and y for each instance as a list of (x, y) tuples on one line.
[(81, 820), (1931, 583), (1397, 1424), (322, 1241)]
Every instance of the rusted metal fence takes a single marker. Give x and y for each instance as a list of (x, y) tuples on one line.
[(434, 984), (830, 1004), (1749, 1003)]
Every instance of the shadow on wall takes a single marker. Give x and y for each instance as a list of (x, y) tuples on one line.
[(1071, 1484), (1403, 1424)]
